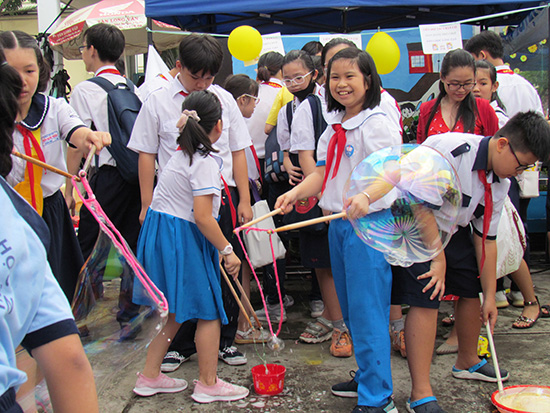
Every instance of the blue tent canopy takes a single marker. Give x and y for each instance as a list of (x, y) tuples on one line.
[(336, 16)]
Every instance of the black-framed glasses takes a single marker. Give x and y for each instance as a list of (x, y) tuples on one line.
[(81, 48), (466, 86), (521, 167)]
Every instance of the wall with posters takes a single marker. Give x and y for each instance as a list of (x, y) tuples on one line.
[(413, 81)]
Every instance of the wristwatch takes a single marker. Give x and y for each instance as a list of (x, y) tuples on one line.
[(227, 250)]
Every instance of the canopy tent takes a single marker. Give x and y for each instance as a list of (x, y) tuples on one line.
[(336, 16)]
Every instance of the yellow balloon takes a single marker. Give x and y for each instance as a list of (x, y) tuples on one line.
[(245, 43), (384, 51)]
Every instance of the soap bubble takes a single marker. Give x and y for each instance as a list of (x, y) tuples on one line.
[(418, 214)]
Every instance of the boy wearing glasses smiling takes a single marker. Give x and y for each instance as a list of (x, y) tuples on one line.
[(483, 166), (456, 109)]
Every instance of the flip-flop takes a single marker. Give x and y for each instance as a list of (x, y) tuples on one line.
[(545, 311)]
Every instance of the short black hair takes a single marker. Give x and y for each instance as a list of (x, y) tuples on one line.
[(200, 53), (333, 43), (528, 132), (488, 41), (368, 69), (313, 48), (107, 39), (241, 84), (16, 38)]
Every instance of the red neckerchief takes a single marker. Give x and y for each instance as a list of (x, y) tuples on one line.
[(272, 84), (338, 142), (163, 77), (507, 71), (256, 161), (184, 94), (28, 140), (487, 213), (109, 70)]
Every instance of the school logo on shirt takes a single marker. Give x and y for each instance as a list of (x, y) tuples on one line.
[(50, 138), (349, 150)]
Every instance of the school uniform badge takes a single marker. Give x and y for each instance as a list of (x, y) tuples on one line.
[(349, 149)]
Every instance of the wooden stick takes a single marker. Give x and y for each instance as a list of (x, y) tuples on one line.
[(89, 158), (247, 302), (228, 281), (43, 165), (255, 221), (493, 350), (310, 222)]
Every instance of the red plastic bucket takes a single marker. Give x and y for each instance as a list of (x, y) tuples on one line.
[(268, 378)]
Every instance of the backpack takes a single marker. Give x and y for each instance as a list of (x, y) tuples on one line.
[(123, 106), (274, 169)]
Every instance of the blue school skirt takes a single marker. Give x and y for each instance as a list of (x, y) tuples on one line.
[(183, 264)]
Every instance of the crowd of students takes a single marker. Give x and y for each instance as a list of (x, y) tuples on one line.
[(202, 153)]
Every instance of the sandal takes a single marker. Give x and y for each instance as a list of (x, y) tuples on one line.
[(545, 311), (251, 336), (449, 320), (528, 322), (317, 331)]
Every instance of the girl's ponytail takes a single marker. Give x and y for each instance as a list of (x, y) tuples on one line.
[(194, 134)]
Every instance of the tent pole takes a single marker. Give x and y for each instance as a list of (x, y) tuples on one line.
[(548, 68)]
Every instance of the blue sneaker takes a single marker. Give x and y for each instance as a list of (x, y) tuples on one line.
[(481, 371), (388, 408), (425, 405)]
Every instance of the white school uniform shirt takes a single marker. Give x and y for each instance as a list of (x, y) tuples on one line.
[(155, 130), (391, 108), (180, 182), (367, 132), (90, 102), (501, 114), (57, 122), (302, 136), (149, 86), (468, 153), (256, 123), (516, 93)]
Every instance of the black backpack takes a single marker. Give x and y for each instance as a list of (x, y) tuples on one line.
[(123, 106), (274, 170)]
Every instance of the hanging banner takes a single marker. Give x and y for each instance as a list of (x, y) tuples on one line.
[(440, 38), (531, 30)]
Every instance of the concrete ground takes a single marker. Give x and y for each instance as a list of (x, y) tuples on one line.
[(311, 370)]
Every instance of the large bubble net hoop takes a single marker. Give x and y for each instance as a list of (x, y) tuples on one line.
[(420, 186)]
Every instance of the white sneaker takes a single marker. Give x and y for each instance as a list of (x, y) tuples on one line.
[(161, 384), (232, 356), (221, 391), (317, 308), (288, 301), (274, 311), (501, 300), (516, 298)]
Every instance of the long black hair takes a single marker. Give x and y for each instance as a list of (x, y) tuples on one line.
[(467, 111), (10, 88), (16, 38), (194, 136)]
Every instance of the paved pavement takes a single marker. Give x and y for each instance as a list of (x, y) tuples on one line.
[(311, 370)]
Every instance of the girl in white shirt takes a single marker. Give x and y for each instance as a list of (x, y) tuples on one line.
[(357, 127), (178, 247)]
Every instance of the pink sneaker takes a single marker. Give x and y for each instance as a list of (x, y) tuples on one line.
[(162, 384), (221, 391)]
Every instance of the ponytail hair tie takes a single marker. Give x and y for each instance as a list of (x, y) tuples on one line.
[(4, 63), (185, 115)]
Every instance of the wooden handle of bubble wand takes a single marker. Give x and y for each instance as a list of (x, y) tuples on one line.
[(228, 281), (43, 165), (309, 222), (89, 158), (244, 298), (493, 350), (259, 219)]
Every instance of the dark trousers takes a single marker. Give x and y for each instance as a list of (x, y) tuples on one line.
[(64, 253), (121, 201), (184, 341), (8, 403)]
